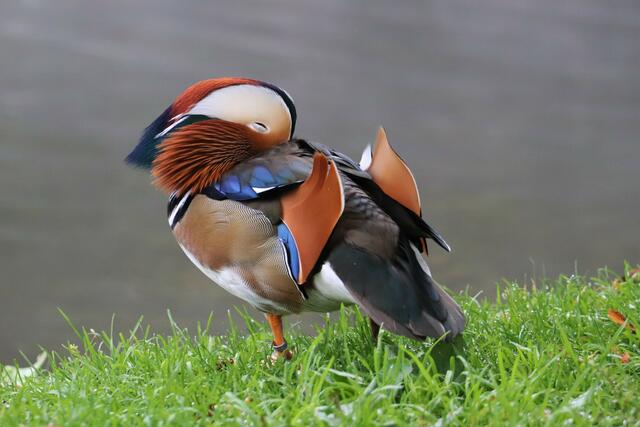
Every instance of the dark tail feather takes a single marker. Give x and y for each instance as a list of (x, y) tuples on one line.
[(434, 235), (455, 321), (399, 295), (413, 225)]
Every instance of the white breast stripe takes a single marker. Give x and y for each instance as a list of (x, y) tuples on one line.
[(177, 208)]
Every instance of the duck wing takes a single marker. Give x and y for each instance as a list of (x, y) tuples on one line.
[(375, 251), (300, 194), (373, 245), (382, 268)]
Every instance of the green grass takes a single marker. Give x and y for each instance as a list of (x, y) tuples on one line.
[(545, 356)]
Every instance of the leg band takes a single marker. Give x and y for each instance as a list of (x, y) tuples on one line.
[(280, 348)]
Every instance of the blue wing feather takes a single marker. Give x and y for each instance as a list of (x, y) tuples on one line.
[(278, 168), (293, 259), (283, 166)]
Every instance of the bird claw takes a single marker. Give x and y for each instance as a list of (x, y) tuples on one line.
[(281, 351), (276, 355)]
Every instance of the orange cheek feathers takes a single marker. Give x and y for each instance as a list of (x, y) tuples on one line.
[(196, 155)]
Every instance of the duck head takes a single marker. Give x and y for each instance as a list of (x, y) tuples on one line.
[(212, 126)]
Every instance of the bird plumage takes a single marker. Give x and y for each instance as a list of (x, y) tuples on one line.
[(244, 211)]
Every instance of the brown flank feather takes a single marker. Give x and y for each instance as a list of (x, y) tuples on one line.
[(195, 156)]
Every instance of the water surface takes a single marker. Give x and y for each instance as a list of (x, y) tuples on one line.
[(520, 120)]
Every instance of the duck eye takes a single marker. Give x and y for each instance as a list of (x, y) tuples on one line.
[(259, 127)]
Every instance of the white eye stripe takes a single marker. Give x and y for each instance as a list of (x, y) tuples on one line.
[(249, 105)]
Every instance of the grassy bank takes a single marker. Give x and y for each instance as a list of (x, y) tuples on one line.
[(540, 355)]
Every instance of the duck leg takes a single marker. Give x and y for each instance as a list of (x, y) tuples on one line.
[(279, 343)]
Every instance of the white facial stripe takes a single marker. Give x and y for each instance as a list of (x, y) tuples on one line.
[(168, 128), (247, 104)]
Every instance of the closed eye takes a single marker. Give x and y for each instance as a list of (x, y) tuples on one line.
[(259, 127)]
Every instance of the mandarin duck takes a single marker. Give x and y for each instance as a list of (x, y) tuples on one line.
[(290, 225)]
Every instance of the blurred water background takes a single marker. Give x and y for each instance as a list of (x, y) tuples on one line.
[(520, 119)]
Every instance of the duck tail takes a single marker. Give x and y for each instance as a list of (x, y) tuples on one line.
[(399, 294)]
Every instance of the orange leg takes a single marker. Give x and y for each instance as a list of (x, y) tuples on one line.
[(279, 343)]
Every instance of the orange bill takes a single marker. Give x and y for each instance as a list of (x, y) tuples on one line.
[(312, 211)]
